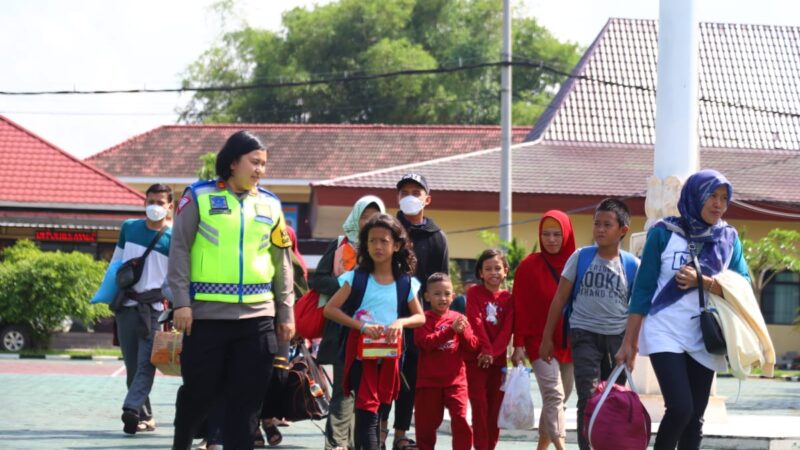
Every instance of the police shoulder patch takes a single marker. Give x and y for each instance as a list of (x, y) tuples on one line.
[(185, 200), (279, 236)]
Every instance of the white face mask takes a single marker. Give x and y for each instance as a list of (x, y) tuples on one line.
[(410, 205), (155, 212)]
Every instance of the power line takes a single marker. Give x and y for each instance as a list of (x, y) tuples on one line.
[(589, 207), (242, 87), (357, 77)]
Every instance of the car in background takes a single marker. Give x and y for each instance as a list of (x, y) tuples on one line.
[(15, 337)]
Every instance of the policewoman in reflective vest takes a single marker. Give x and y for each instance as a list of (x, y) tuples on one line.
[(231, 280)]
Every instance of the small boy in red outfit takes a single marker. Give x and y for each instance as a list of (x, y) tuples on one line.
[(490, 314), (441, 374)]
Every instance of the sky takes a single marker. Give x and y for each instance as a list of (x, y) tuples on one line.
[(126, 44)]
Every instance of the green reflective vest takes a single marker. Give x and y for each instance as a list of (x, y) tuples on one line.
[(230, 257)]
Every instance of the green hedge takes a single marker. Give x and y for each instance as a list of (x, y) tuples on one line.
[(42, 288)]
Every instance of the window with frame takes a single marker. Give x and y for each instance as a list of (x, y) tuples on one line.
[(780, 299)]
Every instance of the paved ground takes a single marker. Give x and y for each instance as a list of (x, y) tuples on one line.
[(76, 405)]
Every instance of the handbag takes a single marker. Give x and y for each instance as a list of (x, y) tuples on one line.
[(618, 416), (131, 270), (713, 339), (166, 354), (308, 315), (307, 392), (308, 310)]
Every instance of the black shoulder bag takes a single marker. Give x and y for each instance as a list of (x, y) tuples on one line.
[(131, 270), (713, 338)]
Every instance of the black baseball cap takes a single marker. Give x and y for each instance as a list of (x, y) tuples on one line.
[(416, 178)]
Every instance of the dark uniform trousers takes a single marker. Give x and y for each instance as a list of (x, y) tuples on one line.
[(231, 358)]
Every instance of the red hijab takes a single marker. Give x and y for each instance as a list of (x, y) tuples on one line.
[(559, 260)]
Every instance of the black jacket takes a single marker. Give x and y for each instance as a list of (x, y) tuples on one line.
[(430, 246)]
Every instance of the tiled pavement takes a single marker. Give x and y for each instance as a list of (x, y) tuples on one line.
[(76, 405)]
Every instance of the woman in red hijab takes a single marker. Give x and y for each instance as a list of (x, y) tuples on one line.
[(535, 284)]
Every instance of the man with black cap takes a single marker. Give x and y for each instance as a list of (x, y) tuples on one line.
[(430, 247)]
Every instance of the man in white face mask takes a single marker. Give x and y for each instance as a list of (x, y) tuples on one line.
[(137, 308), (430, 247)]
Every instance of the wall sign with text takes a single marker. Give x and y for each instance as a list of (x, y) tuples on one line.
[(66, 236)]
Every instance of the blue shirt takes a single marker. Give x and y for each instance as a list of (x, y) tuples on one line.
[(379, 304)]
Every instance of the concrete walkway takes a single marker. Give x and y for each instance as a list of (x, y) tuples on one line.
[(47, 404), (761, 414)]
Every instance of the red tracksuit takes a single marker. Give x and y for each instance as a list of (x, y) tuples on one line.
[(442, 380), (491, 317)]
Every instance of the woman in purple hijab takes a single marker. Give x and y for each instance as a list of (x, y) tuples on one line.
[(666, 293)]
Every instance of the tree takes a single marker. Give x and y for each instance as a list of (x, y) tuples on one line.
[(208, 169), (776, 252), (41, 288), (358, 37), (455, 278)]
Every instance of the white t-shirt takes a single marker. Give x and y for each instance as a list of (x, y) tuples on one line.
[(134, 237), (667, 330), (379, 304)]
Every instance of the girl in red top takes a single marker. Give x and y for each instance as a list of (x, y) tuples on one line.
[(535, 284), (490, 314)]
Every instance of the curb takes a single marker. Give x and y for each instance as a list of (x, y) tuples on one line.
[(794, 378), (61, 357)]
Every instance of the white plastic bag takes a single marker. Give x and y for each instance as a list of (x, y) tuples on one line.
[(516, 411)]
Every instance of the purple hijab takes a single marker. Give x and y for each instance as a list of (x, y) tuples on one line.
[(717, 240)]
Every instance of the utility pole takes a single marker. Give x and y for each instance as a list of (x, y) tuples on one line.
[(505, 126)]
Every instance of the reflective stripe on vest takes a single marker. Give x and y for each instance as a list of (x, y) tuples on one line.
[(230, 257)]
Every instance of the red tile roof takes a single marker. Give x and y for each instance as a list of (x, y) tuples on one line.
[(36, 171), (305, 152), (751, 65), (591, 169)]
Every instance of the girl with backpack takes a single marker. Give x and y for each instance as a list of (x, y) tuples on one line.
[(376, 300), (339, 257), (490, 314)]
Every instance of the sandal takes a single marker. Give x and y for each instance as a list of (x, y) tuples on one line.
[(274, 436), (384, 435), (258, 439), (404, 443), (146, 425)]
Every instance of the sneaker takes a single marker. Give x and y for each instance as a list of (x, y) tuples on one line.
[(131, 420)]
